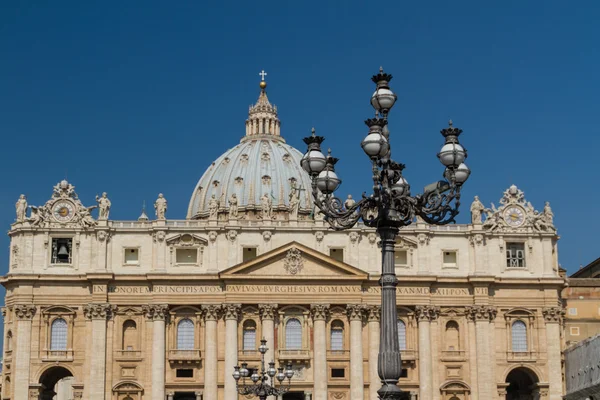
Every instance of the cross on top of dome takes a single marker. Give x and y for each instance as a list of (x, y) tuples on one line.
[(262, 116)]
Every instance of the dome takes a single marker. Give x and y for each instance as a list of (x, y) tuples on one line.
[(261, 164)]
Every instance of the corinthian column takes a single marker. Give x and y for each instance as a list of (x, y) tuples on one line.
[(158, 314), (483, 315), (232, 314), (24, 314), (373, 316), (357, 385), (267, 316), (98, 313), (320, 313), (553, 317), (211, 314), (425, 314)]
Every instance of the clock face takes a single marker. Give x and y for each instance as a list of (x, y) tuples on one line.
[(63, 211), (514, 216)]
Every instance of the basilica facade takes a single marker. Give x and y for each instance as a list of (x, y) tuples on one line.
[(160, 308)]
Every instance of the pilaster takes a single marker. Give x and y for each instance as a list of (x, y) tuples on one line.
[(373, 318), (425, 314), (24, 314), (553, 317), (320, 313), (232, 314), (158, 314), (98, 314), (355, 316), (211, 314), (267, 314), (483, 316)]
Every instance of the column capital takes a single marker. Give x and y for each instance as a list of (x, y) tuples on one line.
[(319, 311), (267, 311), (99, 311), (25, 311), (427, 313), (481, 313), (355, 311), (373, 313), (211, 311), (553, 314), (156, 312), (232, 311)]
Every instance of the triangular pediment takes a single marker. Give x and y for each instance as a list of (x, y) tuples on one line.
[(295, 261), (187, 239)]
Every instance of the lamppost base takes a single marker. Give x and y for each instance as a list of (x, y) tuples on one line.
[(392, 392)]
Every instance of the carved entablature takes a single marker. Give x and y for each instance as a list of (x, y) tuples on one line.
[(319, 311), (232, 311), (481, 313), (355, 311), (63, 209), (427, 313), (99, 311), (267, 311), (211, 312), (517, 215), (156, 312), (24, 311), (553, 314)]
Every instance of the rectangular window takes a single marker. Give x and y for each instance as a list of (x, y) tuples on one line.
[(185, 373), (404, 373), (186, 256), (249, 254), (572, 311), (132, 256), (515, 255), (574, 331), (337, 254), (338, 372), (449, 258), (337, 339), (401, 258), (62, 251)]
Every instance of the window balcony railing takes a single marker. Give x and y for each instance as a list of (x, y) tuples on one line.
[(519, 356), (57, 355), (453, 355), (184, 356), (408, 355), (128, 355), (338, 354), (293, 355), (248, 355)]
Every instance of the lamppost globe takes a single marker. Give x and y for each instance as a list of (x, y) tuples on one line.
[(289, 373), (383, 99), (280, 375), (236, 373), (313, 162), (461, 174), (401, 188), (375, 144), (328, 182), (255, 377), (452, 154)]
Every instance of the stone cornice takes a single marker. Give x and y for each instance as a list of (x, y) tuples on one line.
[(98, 311), (232, 311), (319, 311), (24, 311), (267, 311)]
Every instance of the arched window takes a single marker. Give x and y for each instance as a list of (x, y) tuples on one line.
[(401, 335), (452, 336), (129, 335), (9, 341), (185, 335), (337, 335), (58, 335), (293, 334), (519, 336), (249, 335)]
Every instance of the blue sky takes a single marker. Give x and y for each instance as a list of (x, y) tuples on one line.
[(136, 98)]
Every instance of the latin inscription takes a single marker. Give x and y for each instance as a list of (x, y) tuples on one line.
[(157, 289)]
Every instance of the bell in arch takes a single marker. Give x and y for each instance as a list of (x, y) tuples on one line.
[(62, 251)]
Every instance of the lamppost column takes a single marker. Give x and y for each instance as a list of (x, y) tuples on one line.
[(320, 313), (267, 316), (211, 314), (374, 315), (24, 314), (424, 316), (553, 318), (355, 316), (389, 363), (232, 314)]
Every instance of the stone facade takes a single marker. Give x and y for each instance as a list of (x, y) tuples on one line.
[(582, 303), (582, 374), (163, 309)]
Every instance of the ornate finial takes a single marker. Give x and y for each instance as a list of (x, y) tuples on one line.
[(449, 122), (313, 131), (143, 216), (329, 152), (263, 84), (381, 70)]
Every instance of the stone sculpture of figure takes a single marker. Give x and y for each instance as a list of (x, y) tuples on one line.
[(103, 206), (349, 203), (492, 219), (37, 215), (476, 209), (85, 217), (294, 202), (21, 207), (160, 205), (266, 206), (548, 214), (213, 207), (233, 206)]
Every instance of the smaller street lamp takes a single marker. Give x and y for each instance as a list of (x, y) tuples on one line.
[(260, 386)]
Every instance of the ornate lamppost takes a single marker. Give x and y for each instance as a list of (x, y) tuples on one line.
[(389, 208), (260, 386)]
